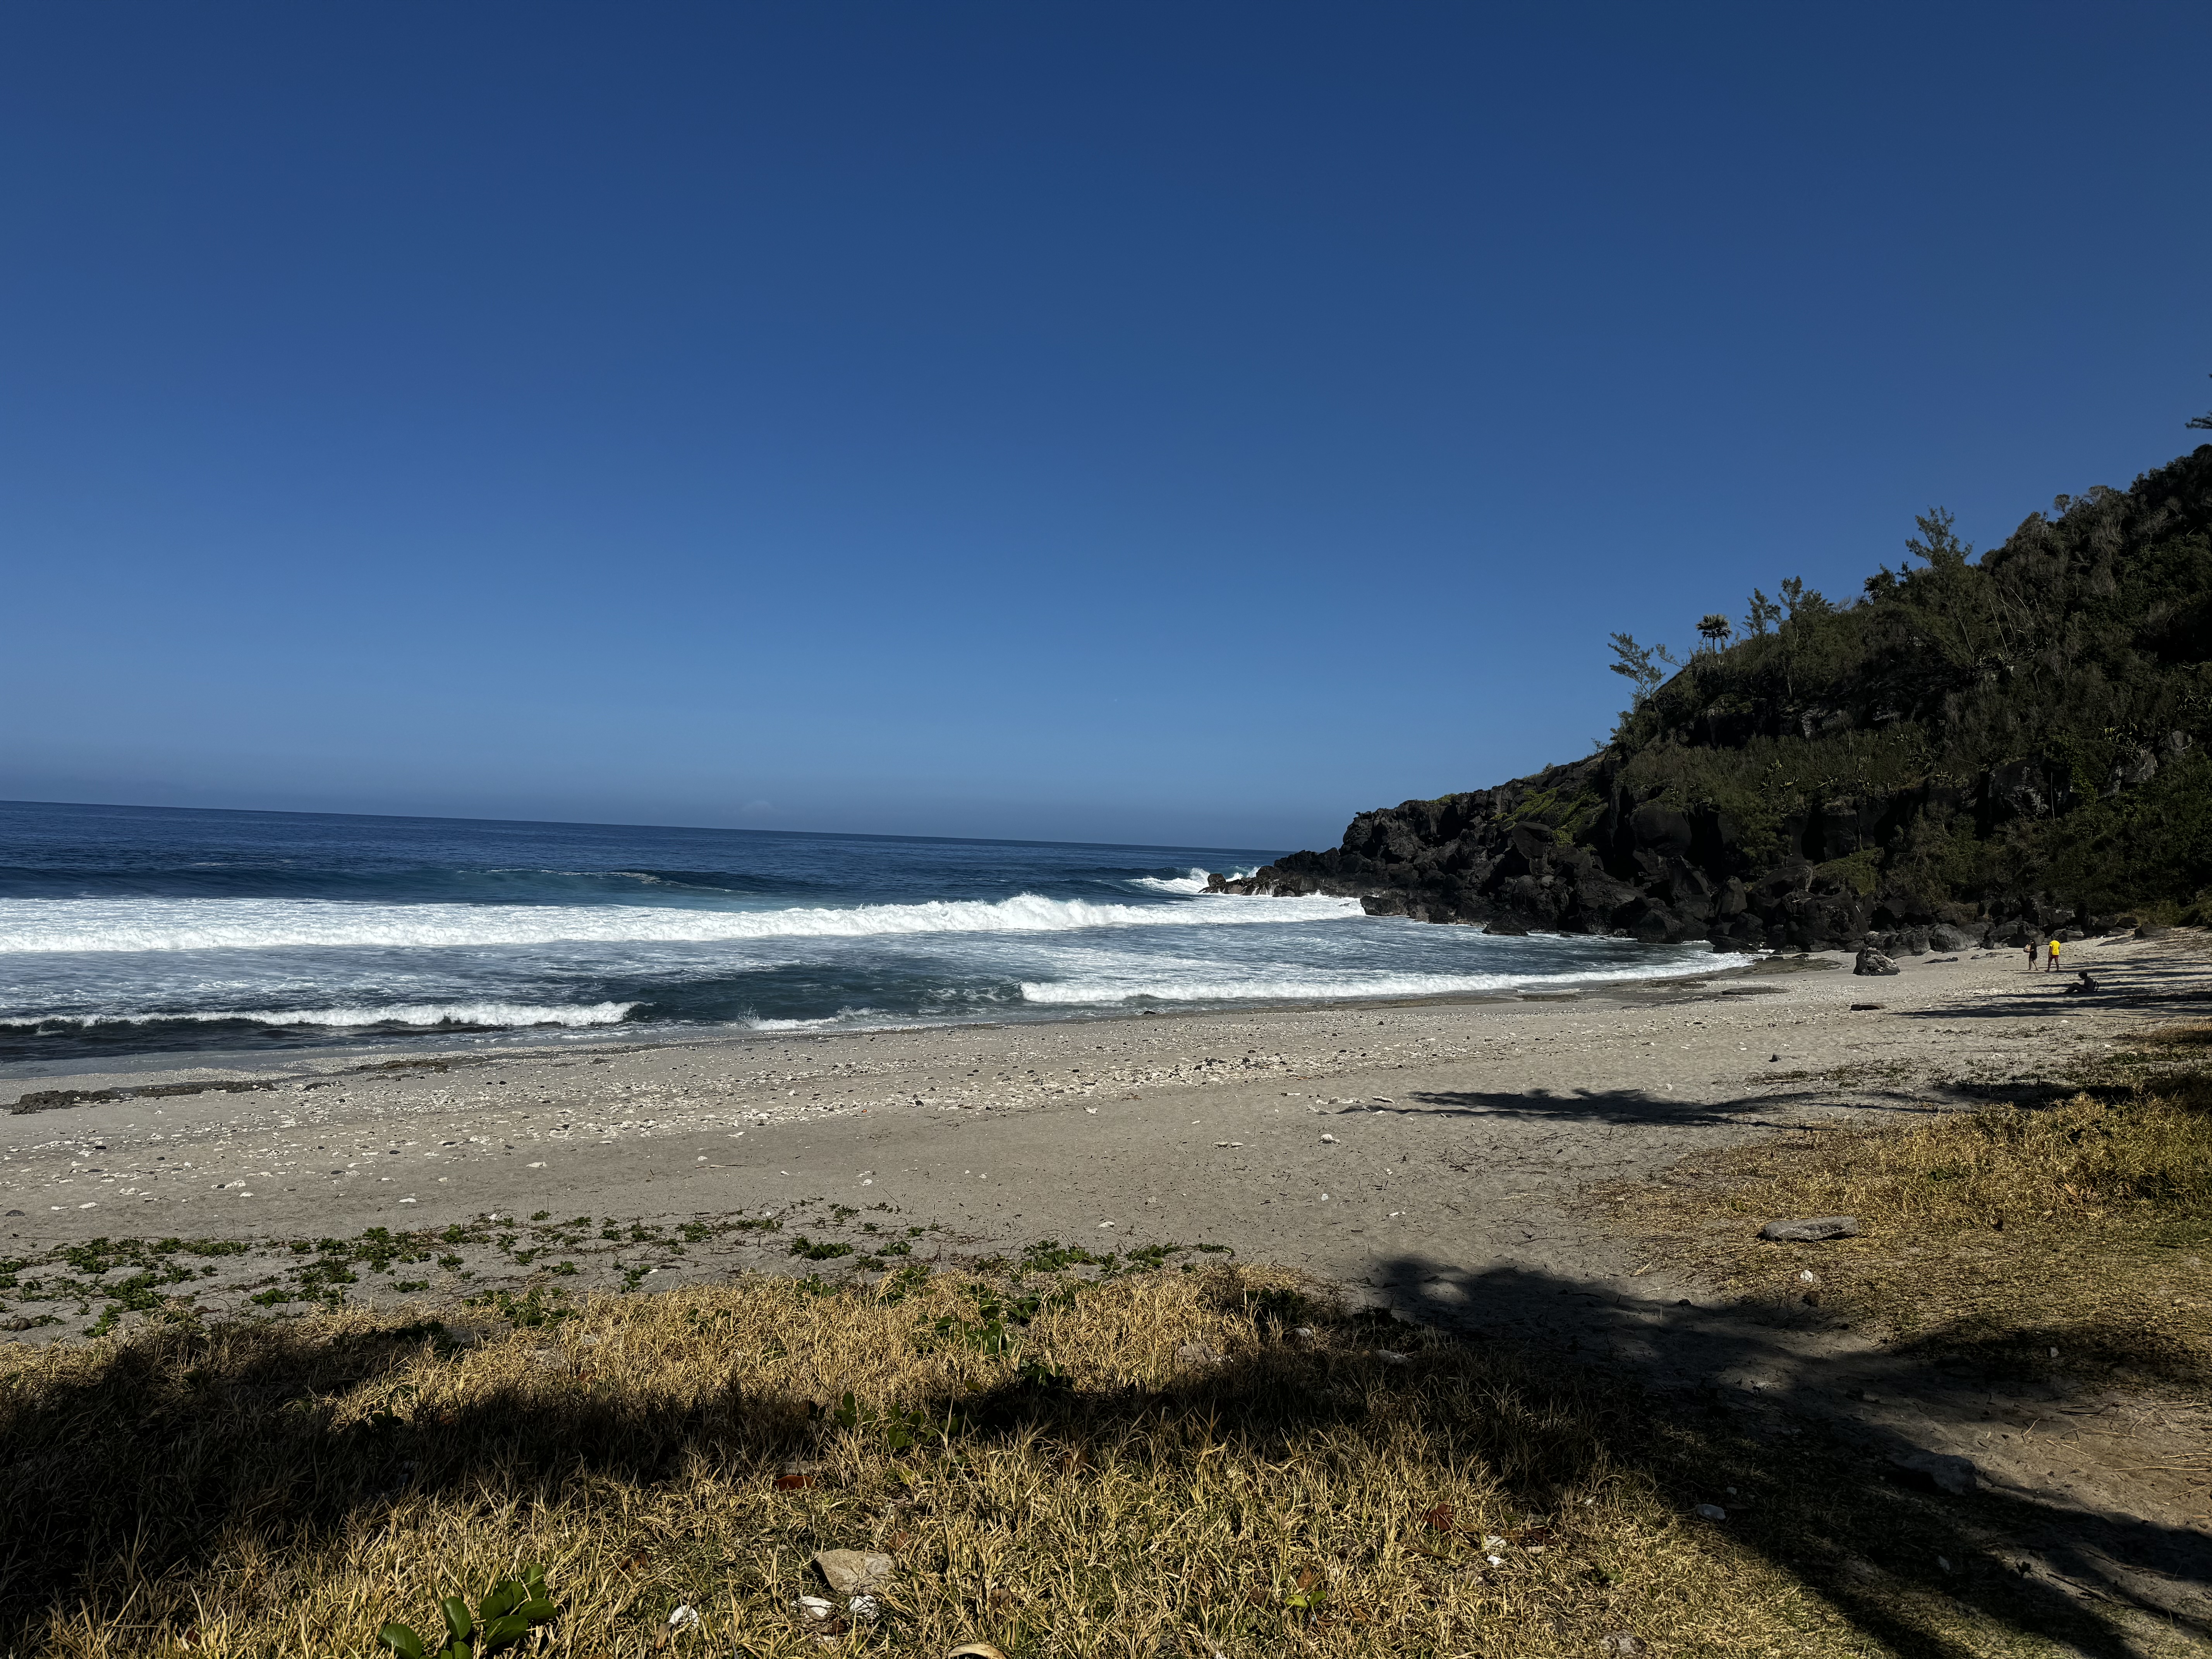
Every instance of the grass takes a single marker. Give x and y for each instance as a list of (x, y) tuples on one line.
[(1047, 1471), (2081, 1224)]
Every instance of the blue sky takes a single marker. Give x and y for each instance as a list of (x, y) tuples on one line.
[(1186, 424)]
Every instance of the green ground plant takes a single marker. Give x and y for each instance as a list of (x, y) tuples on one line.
[(504, 1615)]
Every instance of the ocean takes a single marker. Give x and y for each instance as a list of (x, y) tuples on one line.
[(137, 931)]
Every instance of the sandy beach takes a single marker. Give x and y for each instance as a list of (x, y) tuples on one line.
[(1398, 1149)]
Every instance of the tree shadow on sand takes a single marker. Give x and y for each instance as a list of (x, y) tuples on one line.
[(1641, 1108)]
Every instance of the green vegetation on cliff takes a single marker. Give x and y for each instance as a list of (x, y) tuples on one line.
[(2052, 700)]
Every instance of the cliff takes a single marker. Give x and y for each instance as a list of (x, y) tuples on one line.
[(1971, 750)]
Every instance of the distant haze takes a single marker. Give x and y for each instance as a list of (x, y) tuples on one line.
[(1137, 424)]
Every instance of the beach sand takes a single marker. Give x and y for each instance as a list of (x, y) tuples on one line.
[(1398, 1150)]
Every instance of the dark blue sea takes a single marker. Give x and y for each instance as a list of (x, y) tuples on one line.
[(129, 931)]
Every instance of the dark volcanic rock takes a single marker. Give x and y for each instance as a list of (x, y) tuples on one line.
[(1570, 850)]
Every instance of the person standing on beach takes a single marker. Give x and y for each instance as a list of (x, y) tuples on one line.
[(2032, 953), (2054, 955)]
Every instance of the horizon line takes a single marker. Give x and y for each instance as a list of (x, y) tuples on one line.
[(608, 823)]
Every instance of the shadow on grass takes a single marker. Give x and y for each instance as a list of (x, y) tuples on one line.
[(146, 1465), (1726, 1399)]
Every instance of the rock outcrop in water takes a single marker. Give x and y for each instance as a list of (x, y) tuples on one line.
[(1971, 753)]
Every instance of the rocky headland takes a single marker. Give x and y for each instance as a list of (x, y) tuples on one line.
[(1531, 856), (1973, 752)]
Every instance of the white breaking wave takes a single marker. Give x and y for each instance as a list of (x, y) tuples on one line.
[(157, 924), (1340, 987), (411, 1013), (1186, 886)]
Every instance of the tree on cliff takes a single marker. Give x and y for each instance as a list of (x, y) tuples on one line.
[(1759, 620), (1796, 597), (1641, 664)]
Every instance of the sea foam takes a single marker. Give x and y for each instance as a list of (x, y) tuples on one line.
[(1187, 885), (1231, 987), (173, 924), (485, 1014)]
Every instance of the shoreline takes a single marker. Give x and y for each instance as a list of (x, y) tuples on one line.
[(477, 1045), (1449, 1116)]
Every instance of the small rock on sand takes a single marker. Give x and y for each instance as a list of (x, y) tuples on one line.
[(1812, 1228)]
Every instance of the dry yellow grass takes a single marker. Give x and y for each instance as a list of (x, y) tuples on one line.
[(282, 1489), (2083, 1224)]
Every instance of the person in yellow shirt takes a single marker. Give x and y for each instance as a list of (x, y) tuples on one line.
[(2053, 968)]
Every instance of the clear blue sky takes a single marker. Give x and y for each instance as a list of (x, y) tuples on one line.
[(1188, 423)]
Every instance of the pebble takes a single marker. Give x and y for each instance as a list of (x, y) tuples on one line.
[(1811, 1230), (856, 1572)]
